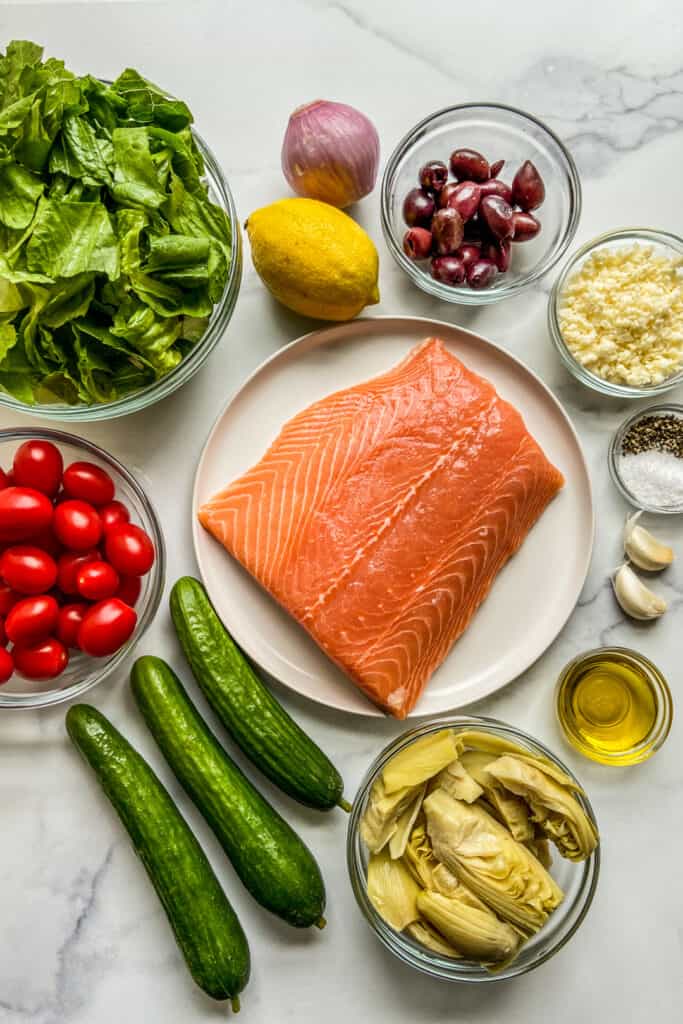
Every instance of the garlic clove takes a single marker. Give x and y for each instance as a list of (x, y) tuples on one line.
[(643, 549), (635, 598)]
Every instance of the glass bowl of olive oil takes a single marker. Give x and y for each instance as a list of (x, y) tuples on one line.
[(614, 706)]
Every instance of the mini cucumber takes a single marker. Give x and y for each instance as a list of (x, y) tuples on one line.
[(206, 927), (254, 718), (277, 868)]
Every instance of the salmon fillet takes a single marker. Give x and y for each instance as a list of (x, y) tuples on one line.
[(381, 515)]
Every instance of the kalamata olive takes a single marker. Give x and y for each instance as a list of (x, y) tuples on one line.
[(496, 168), (448, 231), (469, 253), (498, 216), (465, 199), (528, 190), (499, 252), (417, 243), (448, 269), (418, 208), (446, 193), (434, 175), (469, 165), (526, 226), (496, 187), (481, 274)]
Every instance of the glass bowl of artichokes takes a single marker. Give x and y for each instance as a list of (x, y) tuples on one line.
[(472, 850)]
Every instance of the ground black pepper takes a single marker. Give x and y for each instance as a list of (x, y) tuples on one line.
[(662, 433)]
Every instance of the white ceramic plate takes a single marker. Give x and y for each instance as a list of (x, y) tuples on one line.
[(533, 595)]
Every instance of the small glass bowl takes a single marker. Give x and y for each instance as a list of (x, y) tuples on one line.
[(664, 244), (659, 689), (84, 672), (219, 192), (578, 881), (497, 131), (615, 458)]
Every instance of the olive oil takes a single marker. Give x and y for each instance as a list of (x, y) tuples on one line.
[(614, 706)]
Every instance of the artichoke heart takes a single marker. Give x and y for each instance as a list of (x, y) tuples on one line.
[(557, 812), (392, 890), (429, 873), (490, 744), (486, 858), (428, 937), (404, 825), (381, 816), (420, 760), (477, 933), (420, 860), (506, 807), (457, 781)]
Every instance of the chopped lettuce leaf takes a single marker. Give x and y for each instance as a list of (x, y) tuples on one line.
[(72, 238)]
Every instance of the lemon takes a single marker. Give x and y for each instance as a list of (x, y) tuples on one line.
[(313, 258)]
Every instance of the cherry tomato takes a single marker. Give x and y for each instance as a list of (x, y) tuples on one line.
[(3, 634), (129, 549), (129, 590), (32, 619), (28, 569), (3, 479), (7, 598), (68, 566), (106, 627), (70, 618), (88, 482), (97, 580), (113, 514), (77, 525), (23, 513), (6, 665), (43, 660), (38, 464)]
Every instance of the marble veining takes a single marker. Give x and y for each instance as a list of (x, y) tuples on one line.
[(83, 939)]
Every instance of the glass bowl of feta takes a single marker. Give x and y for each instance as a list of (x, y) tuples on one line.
[(615, 313)]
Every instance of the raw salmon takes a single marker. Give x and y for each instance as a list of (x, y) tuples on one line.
[(381, 515)]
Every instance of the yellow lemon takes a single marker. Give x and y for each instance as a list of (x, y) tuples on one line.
[(313, 258)]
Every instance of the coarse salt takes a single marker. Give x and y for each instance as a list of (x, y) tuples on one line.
[(653, 478)]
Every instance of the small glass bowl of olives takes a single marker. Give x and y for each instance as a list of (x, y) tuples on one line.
[(478, 202)]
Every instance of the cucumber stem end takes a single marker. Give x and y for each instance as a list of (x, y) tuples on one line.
[(320, 923), (344, 804), (235, 1003)]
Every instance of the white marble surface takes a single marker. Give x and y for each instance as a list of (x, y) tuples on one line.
[(82, 937)]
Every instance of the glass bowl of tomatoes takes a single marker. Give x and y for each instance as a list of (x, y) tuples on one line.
[(81, 566)]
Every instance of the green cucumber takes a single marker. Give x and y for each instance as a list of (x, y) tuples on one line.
[(277, 868), (254, 718), (206, 927)]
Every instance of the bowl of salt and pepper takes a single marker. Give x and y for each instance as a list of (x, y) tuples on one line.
[(646, 459)]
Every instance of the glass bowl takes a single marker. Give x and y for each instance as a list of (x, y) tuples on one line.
[(219, 192), (497, 131), (664, 244), (84, 672), (578, 881), (571, 725), (615, 459)]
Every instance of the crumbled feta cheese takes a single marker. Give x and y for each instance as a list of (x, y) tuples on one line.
[(621, 315)]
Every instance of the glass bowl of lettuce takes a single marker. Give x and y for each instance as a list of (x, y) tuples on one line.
[(120, 251)]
